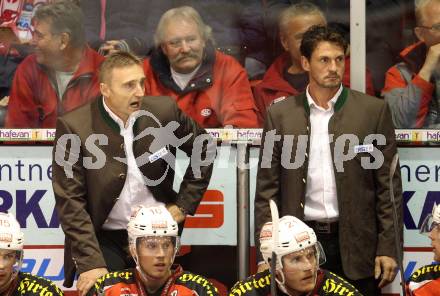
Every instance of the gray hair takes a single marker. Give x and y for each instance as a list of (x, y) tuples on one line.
[(419, 6), (64, 17), (182, 13), (299, 9)]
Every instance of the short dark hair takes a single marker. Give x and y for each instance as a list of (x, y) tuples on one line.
[(64, 17), (319, 33), (118, 59)]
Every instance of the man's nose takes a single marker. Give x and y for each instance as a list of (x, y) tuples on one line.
[(185, 46), (140, 90), (333, 66)]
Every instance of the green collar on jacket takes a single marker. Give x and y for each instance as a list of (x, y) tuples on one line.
[(109, 121), (338, 105)]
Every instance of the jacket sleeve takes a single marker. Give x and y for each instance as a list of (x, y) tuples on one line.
[(71, 204), (268, 180), (409, 100), (258, 93), (198, 174), (384, 208), (22, 111), (236, 104)]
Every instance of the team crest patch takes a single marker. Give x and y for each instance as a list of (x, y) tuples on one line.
[(206, 112)]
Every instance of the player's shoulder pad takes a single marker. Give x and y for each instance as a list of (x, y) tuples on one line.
[(277, 100), (198, 283), (35, 284), (426, 273), (333, 284), (257, 284), (111, 278)]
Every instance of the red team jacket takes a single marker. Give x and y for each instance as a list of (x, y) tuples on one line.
[(327, 284), (34, 101), (128, 282), (26, 284), (425, 281)]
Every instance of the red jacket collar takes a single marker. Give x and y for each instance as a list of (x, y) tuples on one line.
[(274, 77), (414, 56)]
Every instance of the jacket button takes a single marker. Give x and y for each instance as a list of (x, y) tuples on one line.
[(307, 155), (304, 181), (208, 80), (122, 146), (121, 176), (192, 85)]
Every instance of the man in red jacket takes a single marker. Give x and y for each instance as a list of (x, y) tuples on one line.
[(286, 77), (210, 87), (62, 73), (412, 87)]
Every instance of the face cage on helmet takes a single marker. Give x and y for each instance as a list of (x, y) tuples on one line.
[(136, 242), (320, 258), (428, 225), (320, 255)]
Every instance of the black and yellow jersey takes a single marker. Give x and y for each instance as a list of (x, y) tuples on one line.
[(327, 283), (26, 284), (425, 281), (128, 282)]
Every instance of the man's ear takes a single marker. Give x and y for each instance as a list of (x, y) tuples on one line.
[(164, 48), (132, 250), (419, 34), (305, 63), (105, 89), (284, 41), (65, 39)]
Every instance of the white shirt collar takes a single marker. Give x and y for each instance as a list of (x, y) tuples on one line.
[(332, 102), (130, 121)]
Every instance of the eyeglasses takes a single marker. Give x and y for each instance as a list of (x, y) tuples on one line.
[(435, 27), (178, 42)]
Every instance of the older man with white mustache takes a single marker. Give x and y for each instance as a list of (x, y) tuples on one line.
[(209, 86)]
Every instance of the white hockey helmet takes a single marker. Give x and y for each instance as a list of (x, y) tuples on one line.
[(152, 221), (11, 236), (293, 235), (431, 221)]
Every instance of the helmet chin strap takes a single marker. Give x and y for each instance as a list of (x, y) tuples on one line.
[(282, 283), (144, 276)]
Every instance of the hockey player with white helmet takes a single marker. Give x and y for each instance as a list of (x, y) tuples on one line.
[(12, 281), (426, 280), (154, 243), (297, 255)]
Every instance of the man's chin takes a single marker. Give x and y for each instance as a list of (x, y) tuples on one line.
[(331, 85)]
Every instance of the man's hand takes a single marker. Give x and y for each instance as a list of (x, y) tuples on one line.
[(387, 267), (4, 101), (431, 62), (262, 267), (177, 214), (109, 47), (88, 278)]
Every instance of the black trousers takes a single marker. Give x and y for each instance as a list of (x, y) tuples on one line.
[(330, 244), (114, 247)]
